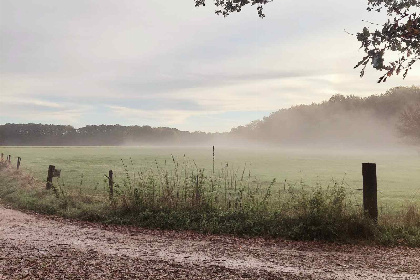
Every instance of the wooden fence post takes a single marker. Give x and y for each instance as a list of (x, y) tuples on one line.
[(111, 184), (2, 156), (370, 190), (10, 158), (51, 169), (213, 159), (18, 162)]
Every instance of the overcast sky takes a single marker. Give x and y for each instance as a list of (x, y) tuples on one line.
[(167, 63)]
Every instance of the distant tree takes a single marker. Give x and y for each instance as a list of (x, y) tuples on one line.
[(337, 98), (98, 135), (349, 120), (399, 34), (409, 125)]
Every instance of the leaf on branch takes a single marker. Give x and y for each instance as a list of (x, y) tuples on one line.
[(226, 7), (399, 34)]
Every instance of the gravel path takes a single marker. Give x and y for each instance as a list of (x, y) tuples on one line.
[(37, 247)]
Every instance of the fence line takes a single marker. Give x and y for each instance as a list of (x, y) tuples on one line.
[(370, 186)]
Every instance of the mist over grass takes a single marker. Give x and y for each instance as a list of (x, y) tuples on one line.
[(398, 172), (342, 122)]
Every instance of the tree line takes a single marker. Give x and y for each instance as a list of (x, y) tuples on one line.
[(95, 135), (342, 120)]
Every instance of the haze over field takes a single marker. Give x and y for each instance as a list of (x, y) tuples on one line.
[(375, 122)]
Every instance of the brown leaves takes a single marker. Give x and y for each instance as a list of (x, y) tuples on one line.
[(400, 34), (227, 7)]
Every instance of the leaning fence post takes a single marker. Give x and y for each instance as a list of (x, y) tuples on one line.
[(18, 162), (370, 190), (111, 184), (51, 169)]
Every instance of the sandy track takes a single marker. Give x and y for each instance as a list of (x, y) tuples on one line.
[(37, 247)]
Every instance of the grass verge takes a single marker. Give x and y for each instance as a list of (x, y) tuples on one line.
[(226, 203)]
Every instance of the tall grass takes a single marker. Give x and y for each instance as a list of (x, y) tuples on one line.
[(181, 195)]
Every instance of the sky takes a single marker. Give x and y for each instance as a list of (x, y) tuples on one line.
[(168, 63)]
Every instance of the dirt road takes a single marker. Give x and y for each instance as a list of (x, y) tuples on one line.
[(37, 247)]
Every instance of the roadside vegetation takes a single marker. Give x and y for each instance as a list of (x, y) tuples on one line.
[(182, 196)]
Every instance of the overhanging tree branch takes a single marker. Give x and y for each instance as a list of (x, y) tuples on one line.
[(400, 34), (226, 7)]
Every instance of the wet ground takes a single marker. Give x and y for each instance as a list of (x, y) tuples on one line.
[(38, 247)]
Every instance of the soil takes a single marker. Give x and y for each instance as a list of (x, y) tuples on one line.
[(39, 247)]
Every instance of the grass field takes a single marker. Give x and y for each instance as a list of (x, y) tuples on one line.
[(264, 192), (398, 173)]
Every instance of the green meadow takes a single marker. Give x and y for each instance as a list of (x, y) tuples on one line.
[(85, 167), (293, 194)]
